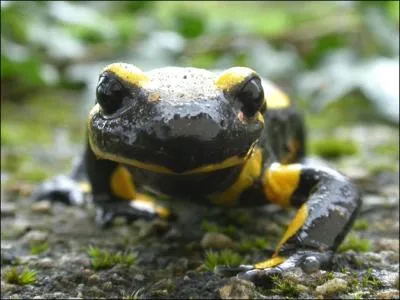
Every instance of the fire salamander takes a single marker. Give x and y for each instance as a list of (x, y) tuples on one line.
[(226, 138)]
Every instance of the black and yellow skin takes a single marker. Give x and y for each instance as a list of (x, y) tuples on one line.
[(217, 138)]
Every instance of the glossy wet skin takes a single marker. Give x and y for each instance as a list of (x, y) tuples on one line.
[(198, 136), (177, 119)]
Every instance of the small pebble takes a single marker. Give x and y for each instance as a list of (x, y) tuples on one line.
[(147, 228), (139, 277), (93, 279), (173, 234), (332, 286), (389, 279), (237, 289), (216, 240), (107, 285), (96, 291), (43, 207), (58, 295), (387, 244), (302, 288), (8, 209), (36, 236), (8, 287), (388, 294), (87, 272), (46, 263)]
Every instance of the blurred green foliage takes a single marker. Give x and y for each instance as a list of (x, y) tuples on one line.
[(41, 39), (53, 51)]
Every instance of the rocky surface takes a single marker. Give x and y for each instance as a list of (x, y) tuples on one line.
[(156, 259)]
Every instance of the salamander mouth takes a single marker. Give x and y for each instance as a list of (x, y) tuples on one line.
[(164, 160), (172, 144)]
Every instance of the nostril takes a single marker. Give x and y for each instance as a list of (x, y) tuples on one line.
[(222, 123)]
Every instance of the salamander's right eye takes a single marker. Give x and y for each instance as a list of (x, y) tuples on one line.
[(251, 96), (110, 93)]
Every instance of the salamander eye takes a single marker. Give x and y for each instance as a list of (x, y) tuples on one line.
[(109, 93), (251, 96)]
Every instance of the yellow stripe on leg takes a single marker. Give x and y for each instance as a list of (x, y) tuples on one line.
[(272, 262), (294, 226), (85, 186), (122, 183), (280, 181), (147, 202)]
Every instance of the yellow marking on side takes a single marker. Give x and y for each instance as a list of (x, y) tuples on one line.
[(269, 263), (294, 226), (128, 73), (85, 186), (229, 162), (250, 172), (149, 201), (232, 77), (277, 99), (280, 181), (122, 183)]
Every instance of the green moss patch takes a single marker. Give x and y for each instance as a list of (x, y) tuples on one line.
[(253, 243), (371, 281), (282, 286), (352, 242), (102, 259), (333, 148), (361, 224), (225, 257), (37, 248), (19, 276), (213, 227)]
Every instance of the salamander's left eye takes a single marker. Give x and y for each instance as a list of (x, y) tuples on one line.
[(251, 96)]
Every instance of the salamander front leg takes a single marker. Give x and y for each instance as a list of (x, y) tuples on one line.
[(327, 205)]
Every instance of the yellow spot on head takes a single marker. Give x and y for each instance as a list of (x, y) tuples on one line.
[(128, 73), (294, 226), (280, 181), (232, 77)]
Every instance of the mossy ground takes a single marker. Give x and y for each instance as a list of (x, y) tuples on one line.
[(169, 260)]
